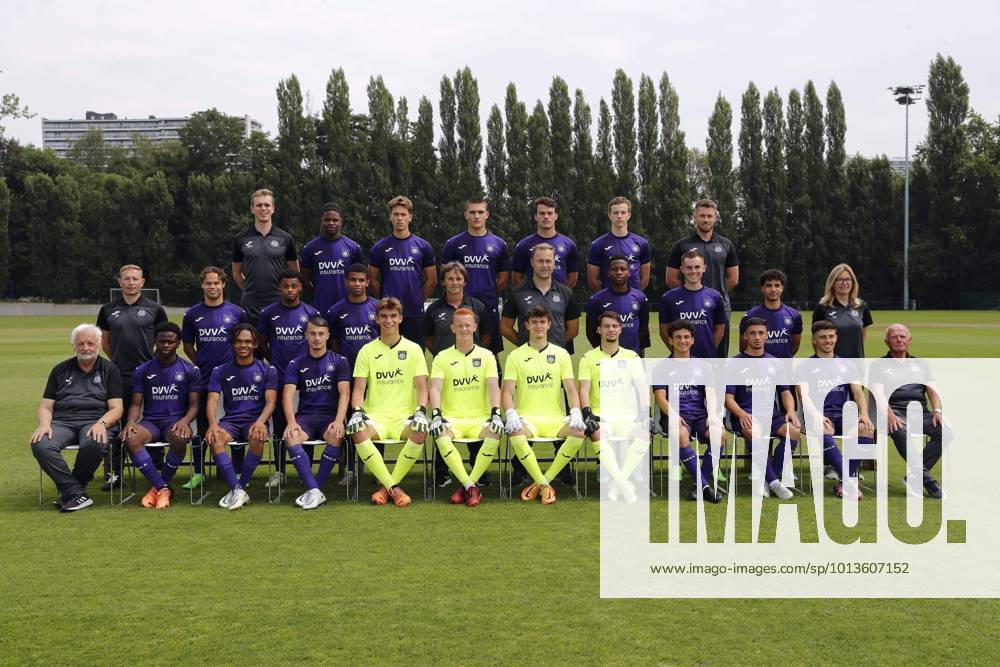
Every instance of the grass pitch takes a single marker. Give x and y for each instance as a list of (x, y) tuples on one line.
[(433, 584)]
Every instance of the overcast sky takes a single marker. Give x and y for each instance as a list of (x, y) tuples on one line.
[(135, 60)]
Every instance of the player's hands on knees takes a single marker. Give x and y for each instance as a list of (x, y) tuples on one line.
[(894, 422), (98, 432), (182, 430), (41, 432), (495, 422), (866, 425), (827, 426), (258, 431), (514, 423), (438, 423), (130, 430), (746, 423), (291, 430), (419, 420), (793, 419), (335, 431)]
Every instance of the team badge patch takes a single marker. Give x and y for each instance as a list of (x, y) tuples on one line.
[(854, 312), (788, 321), (97, 379), (257, 377), (179, 377), (477, 363), (345, 253), (635, 306), (717, 248), (275, 243), (708, 303), (141, 312), (551, 358), (635, 248), (303, 318), (489, 248), (371, 316), (621, 363), (415, 250), (562, 248), (227, 319), (556, 298), (401, 354), (329, 367)]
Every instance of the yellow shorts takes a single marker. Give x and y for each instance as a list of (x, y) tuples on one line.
[(467, 428), (619, 428), (388, 427), (543, 426)]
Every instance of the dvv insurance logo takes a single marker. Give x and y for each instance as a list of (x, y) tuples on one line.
[(769, 478)]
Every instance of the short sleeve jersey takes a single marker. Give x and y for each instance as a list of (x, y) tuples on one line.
[(353, 325), (590, 370), (566, 257), (632, 308), (484, 258), (782, 324), (909, 377), (285, 329), (316, 379), (329, 260), (263, 258), (834, 377), (82, 397), (401, 264), (539, 375), (631, 246), (850, 321), (558, 300), (437, 321), (690, 394), (243, 387), (131, 331), (464, 393), (165, 389), (720, 254), (743, 393), (704, 308), (209, 329), (390, 372)]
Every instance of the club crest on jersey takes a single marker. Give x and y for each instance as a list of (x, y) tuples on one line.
[(556, 298), (717, 248), (258, 377), (477, 363), (562, 248), (551, 358), (303, 317), (788, 321), (179, 377), (371, 316), (275, 243), (854, 312), (329, 367), (489, 248), (415, 250), (401, 354), (345, 253), (708, 303), (227, 319), (635, 306), (621, 363), (635, 248), (141, 312), (97, 379)]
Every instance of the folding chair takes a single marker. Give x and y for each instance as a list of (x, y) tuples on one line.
[(122, 498)]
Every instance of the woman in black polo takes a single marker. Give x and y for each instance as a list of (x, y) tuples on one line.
[(850, 315)]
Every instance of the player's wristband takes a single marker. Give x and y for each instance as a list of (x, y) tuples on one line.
[(436, 412)]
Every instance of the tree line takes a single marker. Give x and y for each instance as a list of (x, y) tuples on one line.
[(790, 197)]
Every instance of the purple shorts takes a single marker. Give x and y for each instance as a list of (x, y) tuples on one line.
[(698, 428), (158, 428), (314, 426), (777, 421), (238, 428)]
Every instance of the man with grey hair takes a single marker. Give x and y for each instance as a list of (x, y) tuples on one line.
[(81, 405), (910, 378)]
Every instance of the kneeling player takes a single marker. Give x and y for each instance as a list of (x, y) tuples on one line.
[(465, 402), (165, 392), (393, 371), (539, 372), (739, 402), (692, 414), (249, 390), (323, 380)]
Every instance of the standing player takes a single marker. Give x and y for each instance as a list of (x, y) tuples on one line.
[(165, 392), (249, 390), (260, 253), (207, 331), (465, 402), (127, 325), (722, 265), (630, 303), (487, 261), (323, 380), (282, 338), (702, 306), (739, 402), (389, 400), (831, 416), (325, 259), (539, 372), (784, 323), (619, 242), (399, 263), (566, 268)]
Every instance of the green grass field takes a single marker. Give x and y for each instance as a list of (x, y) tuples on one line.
[(505, 582)]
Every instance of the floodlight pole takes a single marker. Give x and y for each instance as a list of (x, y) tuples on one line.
[(906, 95)]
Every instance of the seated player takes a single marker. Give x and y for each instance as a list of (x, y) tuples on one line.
[(609, 327), (323, 380), (249, 390), (165, 392), (824, 340), (393, 371), (539, 372), (629, 302), (465, 403), (739, 403), (692, 416)]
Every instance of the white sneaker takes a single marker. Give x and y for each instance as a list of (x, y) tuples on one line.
[(629, 493), (313, 499), (275, 480), (347, 479), (829, 472), (780, 490), (302, 499), (240, 498), (225, 500)]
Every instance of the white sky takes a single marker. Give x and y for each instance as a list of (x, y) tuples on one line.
[(136, 59)]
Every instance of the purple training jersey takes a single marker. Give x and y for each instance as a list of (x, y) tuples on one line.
[(566, 260), (690, 397), (633, 309), (353, 326), (243, 387), (316, 379), (329, 261), (209, 329), (165, 389), (704, 308), (484, 257), (401, 263), (285, 329), (782, 324), (631, 246), (743, 393), (835, 377)]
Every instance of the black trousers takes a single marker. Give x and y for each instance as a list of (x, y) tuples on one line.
[(937, 437), (48, 453)]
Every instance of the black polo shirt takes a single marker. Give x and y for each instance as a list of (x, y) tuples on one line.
[(130, 329), (720, 254), (559, 301), (82, 397), (264, 257), (909, 377), (438, 316), (850, 321)]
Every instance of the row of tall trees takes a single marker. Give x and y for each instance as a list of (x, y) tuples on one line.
[(789, 195)]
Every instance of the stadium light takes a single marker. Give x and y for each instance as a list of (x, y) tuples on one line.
[(906, 96)]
